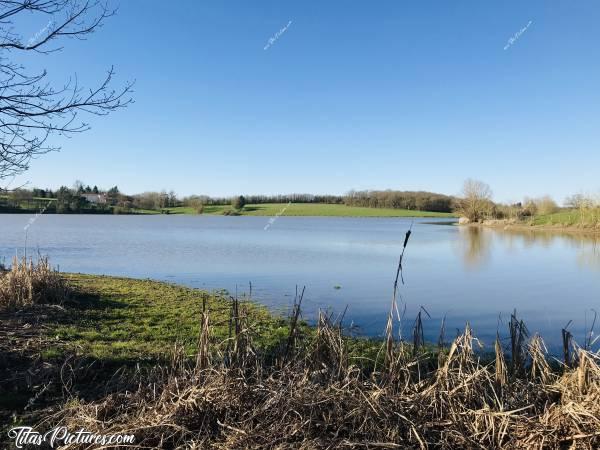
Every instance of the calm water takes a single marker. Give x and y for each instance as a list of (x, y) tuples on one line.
[(461, 273)]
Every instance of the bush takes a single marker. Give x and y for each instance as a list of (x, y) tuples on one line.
[(545, 205), (31, 283), (197, 204), (238, 202)]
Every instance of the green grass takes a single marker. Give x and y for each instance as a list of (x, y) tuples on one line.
[(274, 209), (141, 211), (128, 319), (26, 205), (568, 218), (311, 209), (181, 210)]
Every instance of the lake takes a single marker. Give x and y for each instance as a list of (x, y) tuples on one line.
[(462, 273)]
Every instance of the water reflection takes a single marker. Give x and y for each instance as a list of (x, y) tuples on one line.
[(589, 256), (477, 244), (464, 273)]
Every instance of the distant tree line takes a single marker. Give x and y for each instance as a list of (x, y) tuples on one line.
[(72, 200), (260, 199), (474, 203), (62, 201), (153, 200), (412, 200)]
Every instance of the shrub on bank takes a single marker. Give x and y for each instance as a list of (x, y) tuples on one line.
[(238, 202)]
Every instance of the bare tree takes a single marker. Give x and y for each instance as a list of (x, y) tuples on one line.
[(476, 202), (576, 201), (31, 109)]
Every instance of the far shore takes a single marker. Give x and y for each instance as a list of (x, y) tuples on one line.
[(272, 210), (519, 226)]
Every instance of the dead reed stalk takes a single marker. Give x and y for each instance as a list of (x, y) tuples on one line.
[(30, 283)]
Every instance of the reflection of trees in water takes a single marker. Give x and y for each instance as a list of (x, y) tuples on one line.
[(477, 243), (587, 245), (543, 239), (513, 238), (476, 246), (589, 255)]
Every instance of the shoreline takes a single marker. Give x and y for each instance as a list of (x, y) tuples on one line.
[(376, 213), (250, 209), (146, 356), (508, 226)]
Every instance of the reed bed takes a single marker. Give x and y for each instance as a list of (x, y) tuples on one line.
[(310, 393), (30, 283)]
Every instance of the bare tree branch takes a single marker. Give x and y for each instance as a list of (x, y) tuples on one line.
[(31, 109)]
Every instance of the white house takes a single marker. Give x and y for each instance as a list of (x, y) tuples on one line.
[(99, 199)]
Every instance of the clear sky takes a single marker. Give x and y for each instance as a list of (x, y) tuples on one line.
[(352, 95)]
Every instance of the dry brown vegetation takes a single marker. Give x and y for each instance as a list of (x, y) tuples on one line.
[(310, 394), (30, 283)]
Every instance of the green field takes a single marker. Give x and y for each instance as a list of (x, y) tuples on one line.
[(264, 209), (311, 209), (569, 218)]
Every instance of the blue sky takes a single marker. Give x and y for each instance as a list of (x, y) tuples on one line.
[(353, 95)]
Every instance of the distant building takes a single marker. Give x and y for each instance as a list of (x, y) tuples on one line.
[(99, 199)]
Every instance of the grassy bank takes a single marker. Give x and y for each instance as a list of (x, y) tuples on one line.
[(125, 319), (110, 324), (311, 209), (106, 323), (570, 220)]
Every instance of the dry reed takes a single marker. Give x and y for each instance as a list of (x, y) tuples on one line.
[(317, 398), (30, 283)]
